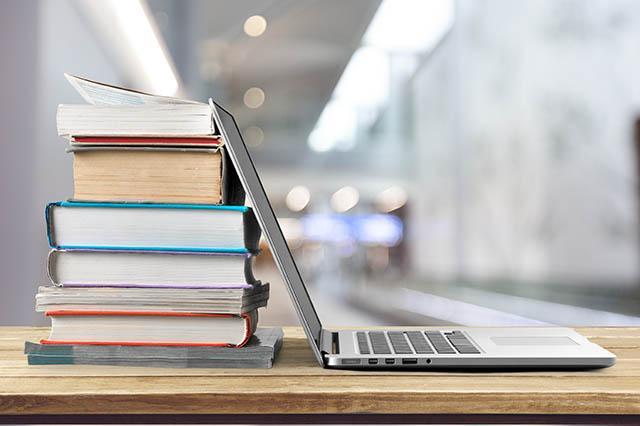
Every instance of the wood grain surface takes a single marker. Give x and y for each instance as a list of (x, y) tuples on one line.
[(297, 385)]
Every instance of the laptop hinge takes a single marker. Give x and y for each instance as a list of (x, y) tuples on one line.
[(329, 343)]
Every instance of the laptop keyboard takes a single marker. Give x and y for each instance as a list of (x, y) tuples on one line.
[(439, 342), (419, 342), (414, 342), (399, 343), (461, 343), (363, 345), (379, 343)]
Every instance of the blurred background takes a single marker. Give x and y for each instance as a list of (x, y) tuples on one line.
[(431, 161)]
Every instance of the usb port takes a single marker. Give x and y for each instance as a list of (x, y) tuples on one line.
[(410, 360), (389, 361), (373, 361)]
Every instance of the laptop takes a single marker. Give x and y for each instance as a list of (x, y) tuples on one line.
[(409, 347)]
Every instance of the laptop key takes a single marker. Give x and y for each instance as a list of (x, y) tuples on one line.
[(379, 342), (363, 345), (440, 344), (461, 343), (399, 343), (467, 350), (419, 342)]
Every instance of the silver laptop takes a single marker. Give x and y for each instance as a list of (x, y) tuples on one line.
[(410, 347)]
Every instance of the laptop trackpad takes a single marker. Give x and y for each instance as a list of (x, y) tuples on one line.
[(533, 341)]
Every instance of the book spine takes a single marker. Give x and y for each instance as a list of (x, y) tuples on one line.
[(52, 258), (252, 231), (224, 286), (116, 343), (186, 250), (139, 141), (232, 190), (250, 325), (131, 205), (48, 217)]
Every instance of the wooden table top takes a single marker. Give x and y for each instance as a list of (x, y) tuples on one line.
[(297, 385)]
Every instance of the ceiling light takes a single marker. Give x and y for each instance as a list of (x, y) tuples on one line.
[(336, 128), (319, 140), (391, 199), (253, 135), (364, 84), (254, 97), (133, 22), (344, 199), (360, 93), (298, 198), (410, 25), (255, 26)]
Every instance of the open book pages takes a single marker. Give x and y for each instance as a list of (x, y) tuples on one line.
[(103, 94)]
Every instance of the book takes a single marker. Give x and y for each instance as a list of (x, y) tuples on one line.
[(155, 175), (73, 268), (151, 260), (238, 300), (116, 111), (152, 227), (174, 120), (130, 328), (260, 352)]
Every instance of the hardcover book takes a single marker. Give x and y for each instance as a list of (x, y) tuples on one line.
[(127, 268), (114, 111), (169, 120), (152, 227), (152, 259), (260, 352), (155, 175), (236, 301), (150, 328)]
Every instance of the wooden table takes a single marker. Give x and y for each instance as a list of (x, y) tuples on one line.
[(297, 390)]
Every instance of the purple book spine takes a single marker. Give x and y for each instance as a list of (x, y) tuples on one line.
[(193, 286)]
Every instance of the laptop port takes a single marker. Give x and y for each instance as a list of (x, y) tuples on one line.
[(373, 361), (428, 360), (409, 361), (389, 361)]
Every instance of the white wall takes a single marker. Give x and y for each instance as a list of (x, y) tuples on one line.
[(538, 154)]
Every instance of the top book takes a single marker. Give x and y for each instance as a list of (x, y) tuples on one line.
[(117, 112)]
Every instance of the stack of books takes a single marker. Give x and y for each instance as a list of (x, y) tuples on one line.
[(155, 248)]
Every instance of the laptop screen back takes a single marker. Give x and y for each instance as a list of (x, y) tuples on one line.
[(271, 229)]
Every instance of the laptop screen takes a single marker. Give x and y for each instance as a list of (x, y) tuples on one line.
[(271, 229)]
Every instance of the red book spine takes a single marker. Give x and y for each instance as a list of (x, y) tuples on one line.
[(93, 140)]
